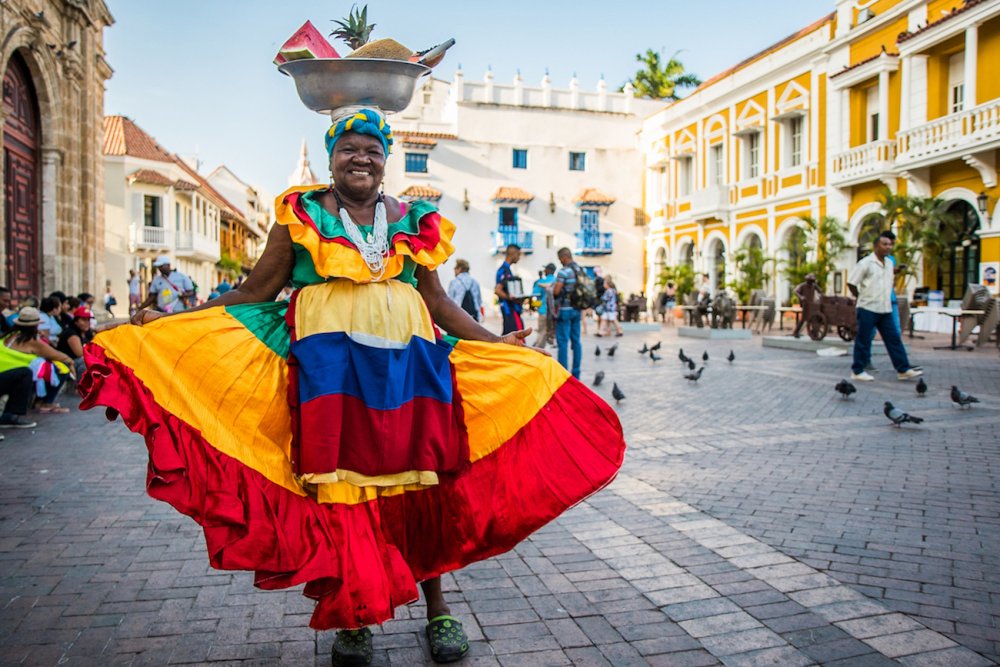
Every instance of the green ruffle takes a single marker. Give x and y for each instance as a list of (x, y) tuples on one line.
[(266, 321), (330, 226)]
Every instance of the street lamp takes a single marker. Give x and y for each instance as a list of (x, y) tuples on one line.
[(983, 202)]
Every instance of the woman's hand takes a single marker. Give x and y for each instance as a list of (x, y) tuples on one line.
[(145, 317), (516, 337)]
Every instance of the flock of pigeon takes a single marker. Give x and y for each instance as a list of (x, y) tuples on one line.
[(898, 417), (692, 375)]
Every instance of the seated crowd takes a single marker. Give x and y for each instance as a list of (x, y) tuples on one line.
[(42, 349)]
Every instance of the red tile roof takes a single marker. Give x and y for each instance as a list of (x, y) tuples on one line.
[(181, 184), (425, 135), (955, 11), (512, 194), (594, 196), (774, 47), (864, 62), (424, 192), (418, 142), (150, 177), (123, 137)]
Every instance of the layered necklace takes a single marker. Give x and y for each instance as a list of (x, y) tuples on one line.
[(373, 246)]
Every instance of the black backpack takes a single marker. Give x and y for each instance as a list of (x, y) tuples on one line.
[(584, 294), (469, 305)]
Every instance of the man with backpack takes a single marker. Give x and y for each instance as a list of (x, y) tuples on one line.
[(464, 290), (574, 293)]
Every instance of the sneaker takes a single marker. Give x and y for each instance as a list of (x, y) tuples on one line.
[(15, 421), (871, 369), (862, 377), (909, 375)]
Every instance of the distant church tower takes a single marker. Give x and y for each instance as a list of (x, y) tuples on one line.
[(302, 175)]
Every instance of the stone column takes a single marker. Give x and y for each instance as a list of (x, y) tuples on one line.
[(971, 56)]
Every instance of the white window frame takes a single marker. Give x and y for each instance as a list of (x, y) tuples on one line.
[(751, 154), (956, 83), (717, 163), (685, 175), (795, 142), (872, 117)]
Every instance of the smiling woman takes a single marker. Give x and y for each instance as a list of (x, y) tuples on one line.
[(339, 439)]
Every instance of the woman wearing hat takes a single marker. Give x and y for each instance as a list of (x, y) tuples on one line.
[(365, 435), (75, 336), (22, 348)]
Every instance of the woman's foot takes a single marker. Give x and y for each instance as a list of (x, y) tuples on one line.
[(447, 639), (352, 648), (54, 408)]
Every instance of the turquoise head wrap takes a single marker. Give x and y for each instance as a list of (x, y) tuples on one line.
[(362, 121)]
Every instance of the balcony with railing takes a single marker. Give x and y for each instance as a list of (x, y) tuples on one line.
[(152, 239), (503, 238), (956, 135), (868, 162), (710, 202), (193, 245), (590, 243)]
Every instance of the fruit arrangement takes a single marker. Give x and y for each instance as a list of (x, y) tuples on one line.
[(355, 31)]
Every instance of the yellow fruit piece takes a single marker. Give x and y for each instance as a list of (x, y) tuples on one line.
[(386, 49)]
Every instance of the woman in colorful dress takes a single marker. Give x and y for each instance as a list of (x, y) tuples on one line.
[(339, 439)]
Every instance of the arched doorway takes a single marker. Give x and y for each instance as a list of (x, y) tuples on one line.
[(21, 142), (717, 259), (959, 265), (659, 264), (871, 226)]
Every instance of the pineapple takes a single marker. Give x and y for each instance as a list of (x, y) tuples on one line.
[(354, 29)]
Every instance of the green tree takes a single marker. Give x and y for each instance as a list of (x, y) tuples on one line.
[(230, 266), (681, 276), (925, 230), (660, 80), (751, 269), (825, 239)]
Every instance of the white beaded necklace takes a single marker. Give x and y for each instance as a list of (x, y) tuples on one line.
[(374, 247)]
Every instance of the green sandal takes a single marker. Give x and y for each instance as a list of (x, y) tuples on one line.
[(352, 648), (448, 640)]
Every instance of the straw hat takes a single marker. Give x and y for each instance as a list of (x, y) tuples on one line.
[(28, 317)]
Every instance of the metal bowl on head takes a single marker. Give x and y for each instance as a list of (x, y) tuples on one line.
[(325, 84)]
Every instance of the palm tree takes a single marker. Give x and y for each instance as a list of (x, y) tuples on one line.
[(659, 80), (924, 227)]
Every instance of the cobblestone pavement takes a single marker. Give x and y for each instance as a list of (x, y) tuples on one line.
[(759, 520)]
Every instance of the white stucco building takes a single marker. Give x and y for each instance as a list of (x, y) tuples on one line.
[(538, 166)]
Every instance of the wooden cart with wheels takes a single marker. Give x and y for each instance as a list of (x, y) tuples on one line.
[(835, 312)]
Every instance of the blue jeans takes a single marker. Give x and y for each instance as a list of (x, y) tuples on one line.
[(888, 328), (568, 331)]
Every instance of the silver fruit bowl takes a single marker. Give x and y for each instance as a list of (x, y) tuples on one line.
[(325, 84)]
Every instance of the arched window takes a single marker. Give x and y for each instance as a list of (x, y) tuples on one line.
[(872, 225), (687, 257), (960, 264), (659, 262), (718, 265), (795, 247)]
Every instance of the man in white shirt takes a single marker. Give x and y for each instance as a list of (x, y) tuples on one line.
[(170, 289), (464, 290), (871, 283)]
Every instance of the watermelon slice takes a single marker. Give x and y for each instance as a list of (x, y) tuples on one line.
[(307, 42)]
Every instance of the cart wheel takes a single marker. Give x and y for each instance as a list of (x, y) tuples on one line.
[(816, 326), (846, 333)]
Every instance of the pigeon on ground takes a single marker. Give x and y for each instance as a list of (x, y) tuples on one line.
[(732, 357), (690, 364), (694, 377), (683, 357), (654, 356), (656, 346), (921, 387), (845, 389), (961, 399), (704, 356), (645, 349), (898, 417), (597, 352), (617, 393), (598, 378), (612, 350)]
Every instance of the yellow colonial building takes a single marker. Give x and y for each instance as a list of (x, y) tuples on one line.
[(898, 94)]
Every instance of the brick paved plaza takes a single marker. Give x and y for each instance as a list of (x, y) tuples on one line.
[(758, 520)]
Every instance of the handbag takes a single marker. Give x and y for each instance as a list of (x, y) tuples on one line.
[(599, 309)]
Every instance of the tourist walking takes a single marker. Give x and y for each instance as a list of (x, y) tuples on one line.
[(170, 290), (569, 308), (464, 290), (510, 291), (871, 282)]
